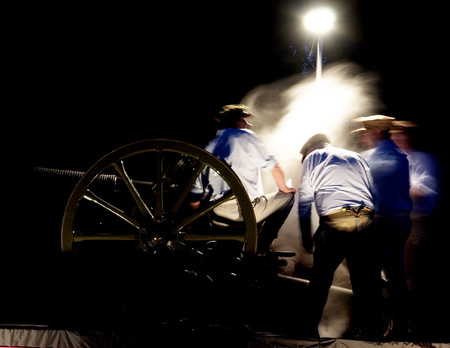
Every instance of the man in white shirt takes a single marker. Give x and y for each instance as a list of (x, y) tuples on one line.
[(247, 156), (339, 183)]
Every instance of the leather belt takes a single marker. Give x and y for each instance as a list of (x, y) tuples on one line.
[(350, 211), (348, 218)]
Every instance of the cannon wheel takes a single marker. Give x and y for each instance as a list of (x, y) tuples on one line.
[(138, 195)]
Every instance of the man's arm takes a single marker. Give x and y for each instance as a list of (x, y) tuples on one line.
[(278, 176), (307, 241), (304, 214)]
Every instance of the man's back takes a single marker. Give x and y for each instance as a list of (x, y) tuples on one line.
[(333, 178), (390, 168)]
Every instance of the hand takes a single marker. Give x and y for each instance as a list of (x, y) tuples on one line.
[(287, 189)]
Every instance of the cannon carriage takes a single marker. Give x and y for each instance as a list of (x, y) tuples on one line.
[(131, 208), (136, 199)]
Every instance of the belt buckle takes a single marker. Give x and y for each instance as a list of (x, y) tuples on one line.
[(356, 210)]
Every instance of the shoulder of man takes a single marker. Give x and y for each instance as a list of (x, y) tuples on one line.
[(240, 133)]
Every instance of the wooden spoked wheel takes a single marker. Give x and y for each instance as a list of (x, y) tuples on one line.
[(137, 197)]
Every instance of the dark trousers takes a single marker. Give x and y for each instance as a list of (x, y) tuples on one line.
[(270, 211), (393, 233), (271, 224), (359, 249)]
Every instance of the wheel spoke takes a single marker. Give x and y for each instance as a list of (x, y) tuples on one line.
[(211, 205), (200, 237), (199, 166), (90, 196), (137, 198), (159, 187), (124, 237)]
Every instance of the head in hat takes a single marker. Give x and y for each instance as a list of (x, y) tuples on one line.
[(376, 122), (358, 138), (402, 126), (234, 116), (317, 141), (402, 133), (376, 129)]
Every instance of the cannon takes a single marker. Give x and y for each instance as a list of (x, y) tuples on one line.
[(138, 195), (133, 203)]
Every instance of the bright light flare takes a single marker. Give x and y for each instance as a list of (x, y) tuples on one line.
[(320, 20)]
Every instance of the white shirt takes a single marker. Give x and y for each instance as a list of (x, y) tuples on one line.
[(334, 178), (245, 154)]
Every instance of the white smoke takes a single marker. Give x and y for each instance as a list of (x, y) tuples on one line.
[(290, 110)]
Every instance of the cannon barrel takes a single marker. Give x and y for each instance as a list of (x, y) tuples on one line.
[(78, 174), (73, 173)]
